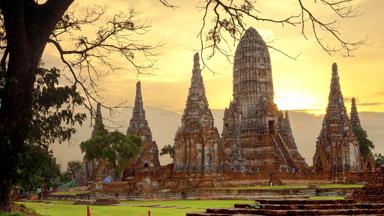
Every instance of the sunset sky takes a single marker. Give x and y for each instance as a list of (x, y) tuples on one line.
[(299, 84)]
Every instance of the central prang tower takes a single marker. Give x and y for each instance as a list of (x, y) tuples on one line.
[(257, 137), (252, 75)]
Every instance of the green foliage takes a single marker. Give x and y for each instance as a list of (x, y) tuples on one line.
[(11, 214), (53, 109), (365, 145), (379, 159), (20, 210), (168, 149), (38, 167), (114, 147), (74, 168), (65, 177), (53, 118)]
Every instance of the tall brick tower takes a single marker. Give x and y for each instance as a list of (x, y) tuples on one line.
[(355, 120), (366, 157), (197, 139), (138, 125), (337, 149), (257, 137)]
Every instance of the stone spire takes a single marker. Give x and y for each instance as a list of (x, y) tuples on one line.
[(337, 149), (367, 160), (99, 126), (197, 103), (197, 140), (336, 109), (286, 115), (355, 120), (335, 99), (96, 168), (138, 124)]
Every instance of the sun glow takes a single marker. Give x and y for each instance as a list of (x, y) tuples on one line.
[(299, 101)]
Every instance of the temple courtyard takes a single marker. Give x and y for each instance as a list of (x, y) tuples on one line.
[(133, 208), (63, 203)]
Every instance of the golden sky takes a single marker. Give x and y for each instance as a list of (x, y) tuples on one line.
[(301, 84)]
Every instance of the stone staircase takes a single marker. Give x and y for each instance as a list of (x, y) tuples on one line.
[(299, 207), (282, 149)]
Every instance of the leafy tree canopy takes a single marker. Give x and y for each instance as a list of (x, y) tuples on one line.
[(53, 109), (74, 167), (365, 145), (37, 168), (114, 147), (53, 118), (379, 159), (168, 149)]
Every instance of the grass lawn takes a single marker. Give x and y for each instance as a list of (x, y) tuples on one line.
[(133, 208), (327, 198), (69, 192), (265, 187), (292, 186), (163, 208), (332, 186)]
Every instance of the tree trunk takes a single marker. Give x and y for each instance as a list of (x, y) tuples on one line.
[(5, 190), (28, 27), (15, 111)]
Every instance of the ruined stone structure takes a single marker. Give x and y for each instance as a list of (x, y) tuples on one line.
[(197, 139), (98, 127), (138, 126), (367, 161), (257, 137), (97, 169), (337, 149), (355, 119)]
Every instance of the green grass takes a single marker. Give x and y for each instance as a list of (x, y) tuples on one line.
[(333, 186), (69, 192), (327, 198), (291, 186), (10, 214), (265, 187), (133, 208)]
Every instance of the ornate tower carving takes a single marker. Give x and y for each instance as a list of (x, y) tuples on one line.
[(337, 149), (367, 160), (138, 126), (197, 139), (355, 120), (99, 126), (97, 168), (256, 135)]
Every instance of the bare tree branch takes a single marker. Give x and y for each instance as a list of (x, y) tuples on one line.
[(167, 4), (88, 59), (228, 21), (345, 47)]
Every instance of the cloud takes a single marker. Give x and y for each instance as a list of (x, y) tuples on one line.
[(308, 78), (371, 104)]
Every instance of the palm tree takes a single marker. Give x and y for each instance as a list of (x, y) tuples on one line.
[(168, 149)]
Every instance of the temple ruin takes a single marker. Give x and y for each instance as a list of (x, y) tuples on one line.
[(96, 169), (337, 148), (138, 126), (367, 160), (197, 139), (257, 145), (257, 137)]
